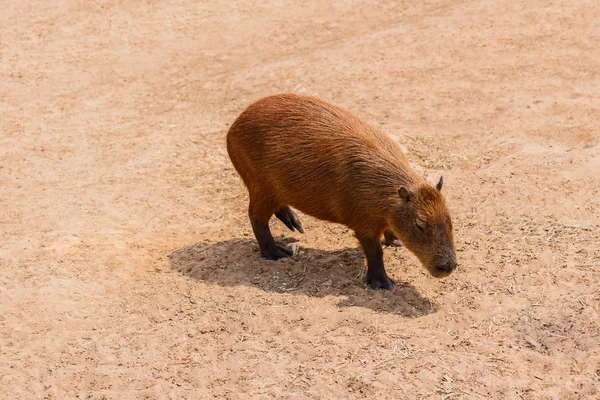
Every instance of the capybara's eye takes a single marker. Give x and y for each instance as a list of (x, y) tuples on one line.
[(420, 224)]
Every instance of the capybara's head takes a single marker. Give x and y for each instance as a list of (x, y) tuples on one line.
[(422, 222)]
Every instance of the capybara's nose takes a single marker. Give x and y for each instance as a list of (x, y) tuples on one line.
[(446, 267)]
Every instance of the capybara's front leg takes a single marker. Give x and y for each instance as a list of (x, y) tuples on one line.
[(376, 276), (389, 239), (268, 248)]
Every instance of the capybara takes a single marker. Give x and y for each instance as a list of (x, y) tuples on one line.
[(298, 151)]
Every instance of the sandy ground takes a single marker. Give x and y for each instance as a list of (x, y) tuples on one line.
[(127, 264)]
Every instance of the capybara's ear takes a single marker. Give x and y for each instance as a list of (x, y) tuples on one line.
[(440, 183), (405, 194)]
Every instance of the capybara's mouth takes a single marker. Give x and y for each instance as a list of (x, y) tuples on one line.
[(438, 272)]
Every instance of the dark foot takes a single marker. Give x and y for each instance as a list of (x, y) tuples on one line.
[(389, 239), (268, 248), (381, 282), (393, 243), (276, 252), (376, 276), (289, 218)]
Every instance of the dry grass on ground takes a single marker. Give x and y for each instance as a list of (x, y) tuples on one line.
[(127, 264)]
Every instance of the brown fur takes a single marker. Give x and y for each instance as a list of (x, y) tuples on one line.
[(299, 151)]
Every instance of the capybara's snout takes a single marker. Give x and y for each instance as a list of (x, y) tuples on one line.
[(444, 265), (445, 269)]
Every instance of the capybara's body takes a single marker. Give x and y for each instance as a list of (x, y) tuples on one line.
[(298, 151)]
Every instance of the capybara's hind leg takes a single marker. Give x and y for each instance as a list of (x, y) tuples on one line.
[(289, 218), (268, 248), (259, 218)]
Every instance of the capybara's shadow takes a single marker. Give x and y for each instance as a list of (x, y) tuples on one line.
[(311, 272)]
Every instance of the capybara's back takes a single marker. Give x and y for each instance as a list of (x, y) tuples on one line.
[(299, 151), (302, 152)]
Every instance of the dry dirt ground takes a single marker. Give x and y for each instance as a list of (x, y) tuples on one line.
[(127, 264)]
